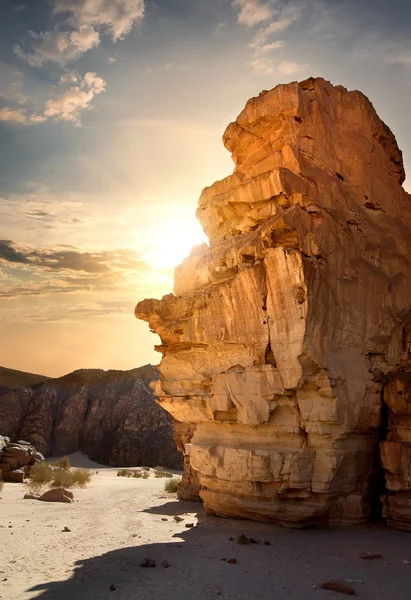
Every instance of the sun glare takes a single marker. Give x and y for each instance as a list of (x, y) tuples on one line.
[(173, 239)]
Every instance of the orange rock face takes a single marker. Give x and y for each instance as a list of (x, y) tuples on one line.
[(286, 343)]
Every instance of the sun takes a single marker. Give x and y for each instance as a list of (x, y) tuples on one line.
[(173, 238)]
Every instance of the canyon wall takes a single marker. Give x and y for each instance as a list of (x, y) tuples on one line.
[(111, 416), (286, 343)]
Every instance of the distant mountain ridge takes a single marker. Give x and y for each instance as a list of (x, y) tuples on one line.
[(12, 378), (111, 416)]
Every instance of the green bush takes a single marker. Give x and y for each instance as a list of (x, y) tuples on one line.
[(171, 485), (63, 463)]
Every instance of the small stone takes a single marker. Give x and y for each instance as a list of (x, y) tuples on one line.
[(336, 585), (148, 562), (405, 561), (164, 519), (165, 564), (253, 541), (230, 539), (232, 561), (178, 519), (66, 529), (243, 540), (188, 525), (368, 556), (112, 587)]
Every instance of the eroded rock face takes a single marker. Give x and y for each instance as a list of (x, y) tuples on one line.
[(287, 340), (111, 416)]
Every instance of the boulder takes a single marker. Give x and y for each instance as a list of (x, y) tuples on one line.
[(57, 495), (287, 341)]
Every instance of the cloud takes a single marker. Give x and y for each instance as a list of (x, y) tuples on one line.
[(20, 115), (115, 17), (252, 12), (80, 30), (14, 115), (69, 78), (58, 46), (66, 269), (69, 105), (288, 67), (282, 16)]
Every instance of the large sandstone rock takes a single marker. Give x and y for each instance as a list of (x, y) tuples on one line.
[(286, 343), (111, 416)]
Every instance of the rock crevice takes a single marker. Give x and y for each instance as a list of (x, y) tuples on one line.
[(285, 336)]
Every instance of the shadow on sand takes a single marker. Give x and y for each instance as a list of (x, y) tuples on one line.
[(291, 567)]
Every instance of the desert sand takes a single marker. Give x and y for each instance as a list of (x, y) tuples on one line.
[(116, 522)]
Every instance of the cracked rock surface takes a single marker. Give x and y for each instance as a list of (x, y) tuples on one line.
[(286, 342)]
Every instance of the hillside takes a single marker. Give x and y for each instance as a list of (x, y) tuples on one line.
[(13, 379)]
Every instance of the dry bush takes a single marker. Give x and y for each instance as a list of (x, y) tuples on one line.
[(1, 482), (146, 475), (35, 487), (137, 474), (171, 485), (41, 473), (145, 468), (62, 478), (63, 463), (77, 478), (81, 477), (161, 473)]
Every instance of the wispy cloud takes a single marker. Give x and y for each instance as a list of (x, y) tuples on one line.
[(289, 67), (115, 17), (67, 106), (58, 46), (60, 269), (252, 12), (84, 22), (281, 16)]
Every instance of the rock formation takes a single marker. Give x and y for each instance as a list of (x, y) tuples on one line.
[(16, 459), (286, 343), (111, 416)]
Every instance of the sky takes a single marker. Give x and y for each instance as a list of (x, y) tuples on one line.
[(111, 119)]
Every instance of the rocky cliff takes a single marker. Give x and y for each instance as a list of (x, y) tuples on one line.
[(111, 416), (286, 343)]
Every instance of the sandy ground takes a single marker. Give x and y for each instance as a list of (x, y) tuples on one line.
[(116, 522)]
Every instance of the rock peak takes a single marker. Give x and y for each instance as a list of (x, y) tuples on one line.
[(286, 345)]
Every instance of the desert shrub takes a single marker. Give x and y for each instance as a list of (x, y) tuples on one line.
[(137, 474), (77, 478), (35, 487), (145, 475), (1, 482), (171, 485), (161, 473), (41, 473), (62, 478), (146, 468), (81, 477), (128, 473), (63, 463)]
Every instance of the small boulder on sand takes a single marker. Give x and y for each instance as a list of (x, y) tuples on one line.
[(54, 495)]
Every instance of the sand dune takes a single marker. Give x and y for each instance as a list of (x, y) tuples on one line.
[(116, 522)]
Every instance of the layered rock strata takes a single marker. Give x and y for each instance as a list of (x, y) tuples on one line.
[(111, 416), (286, 343)]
